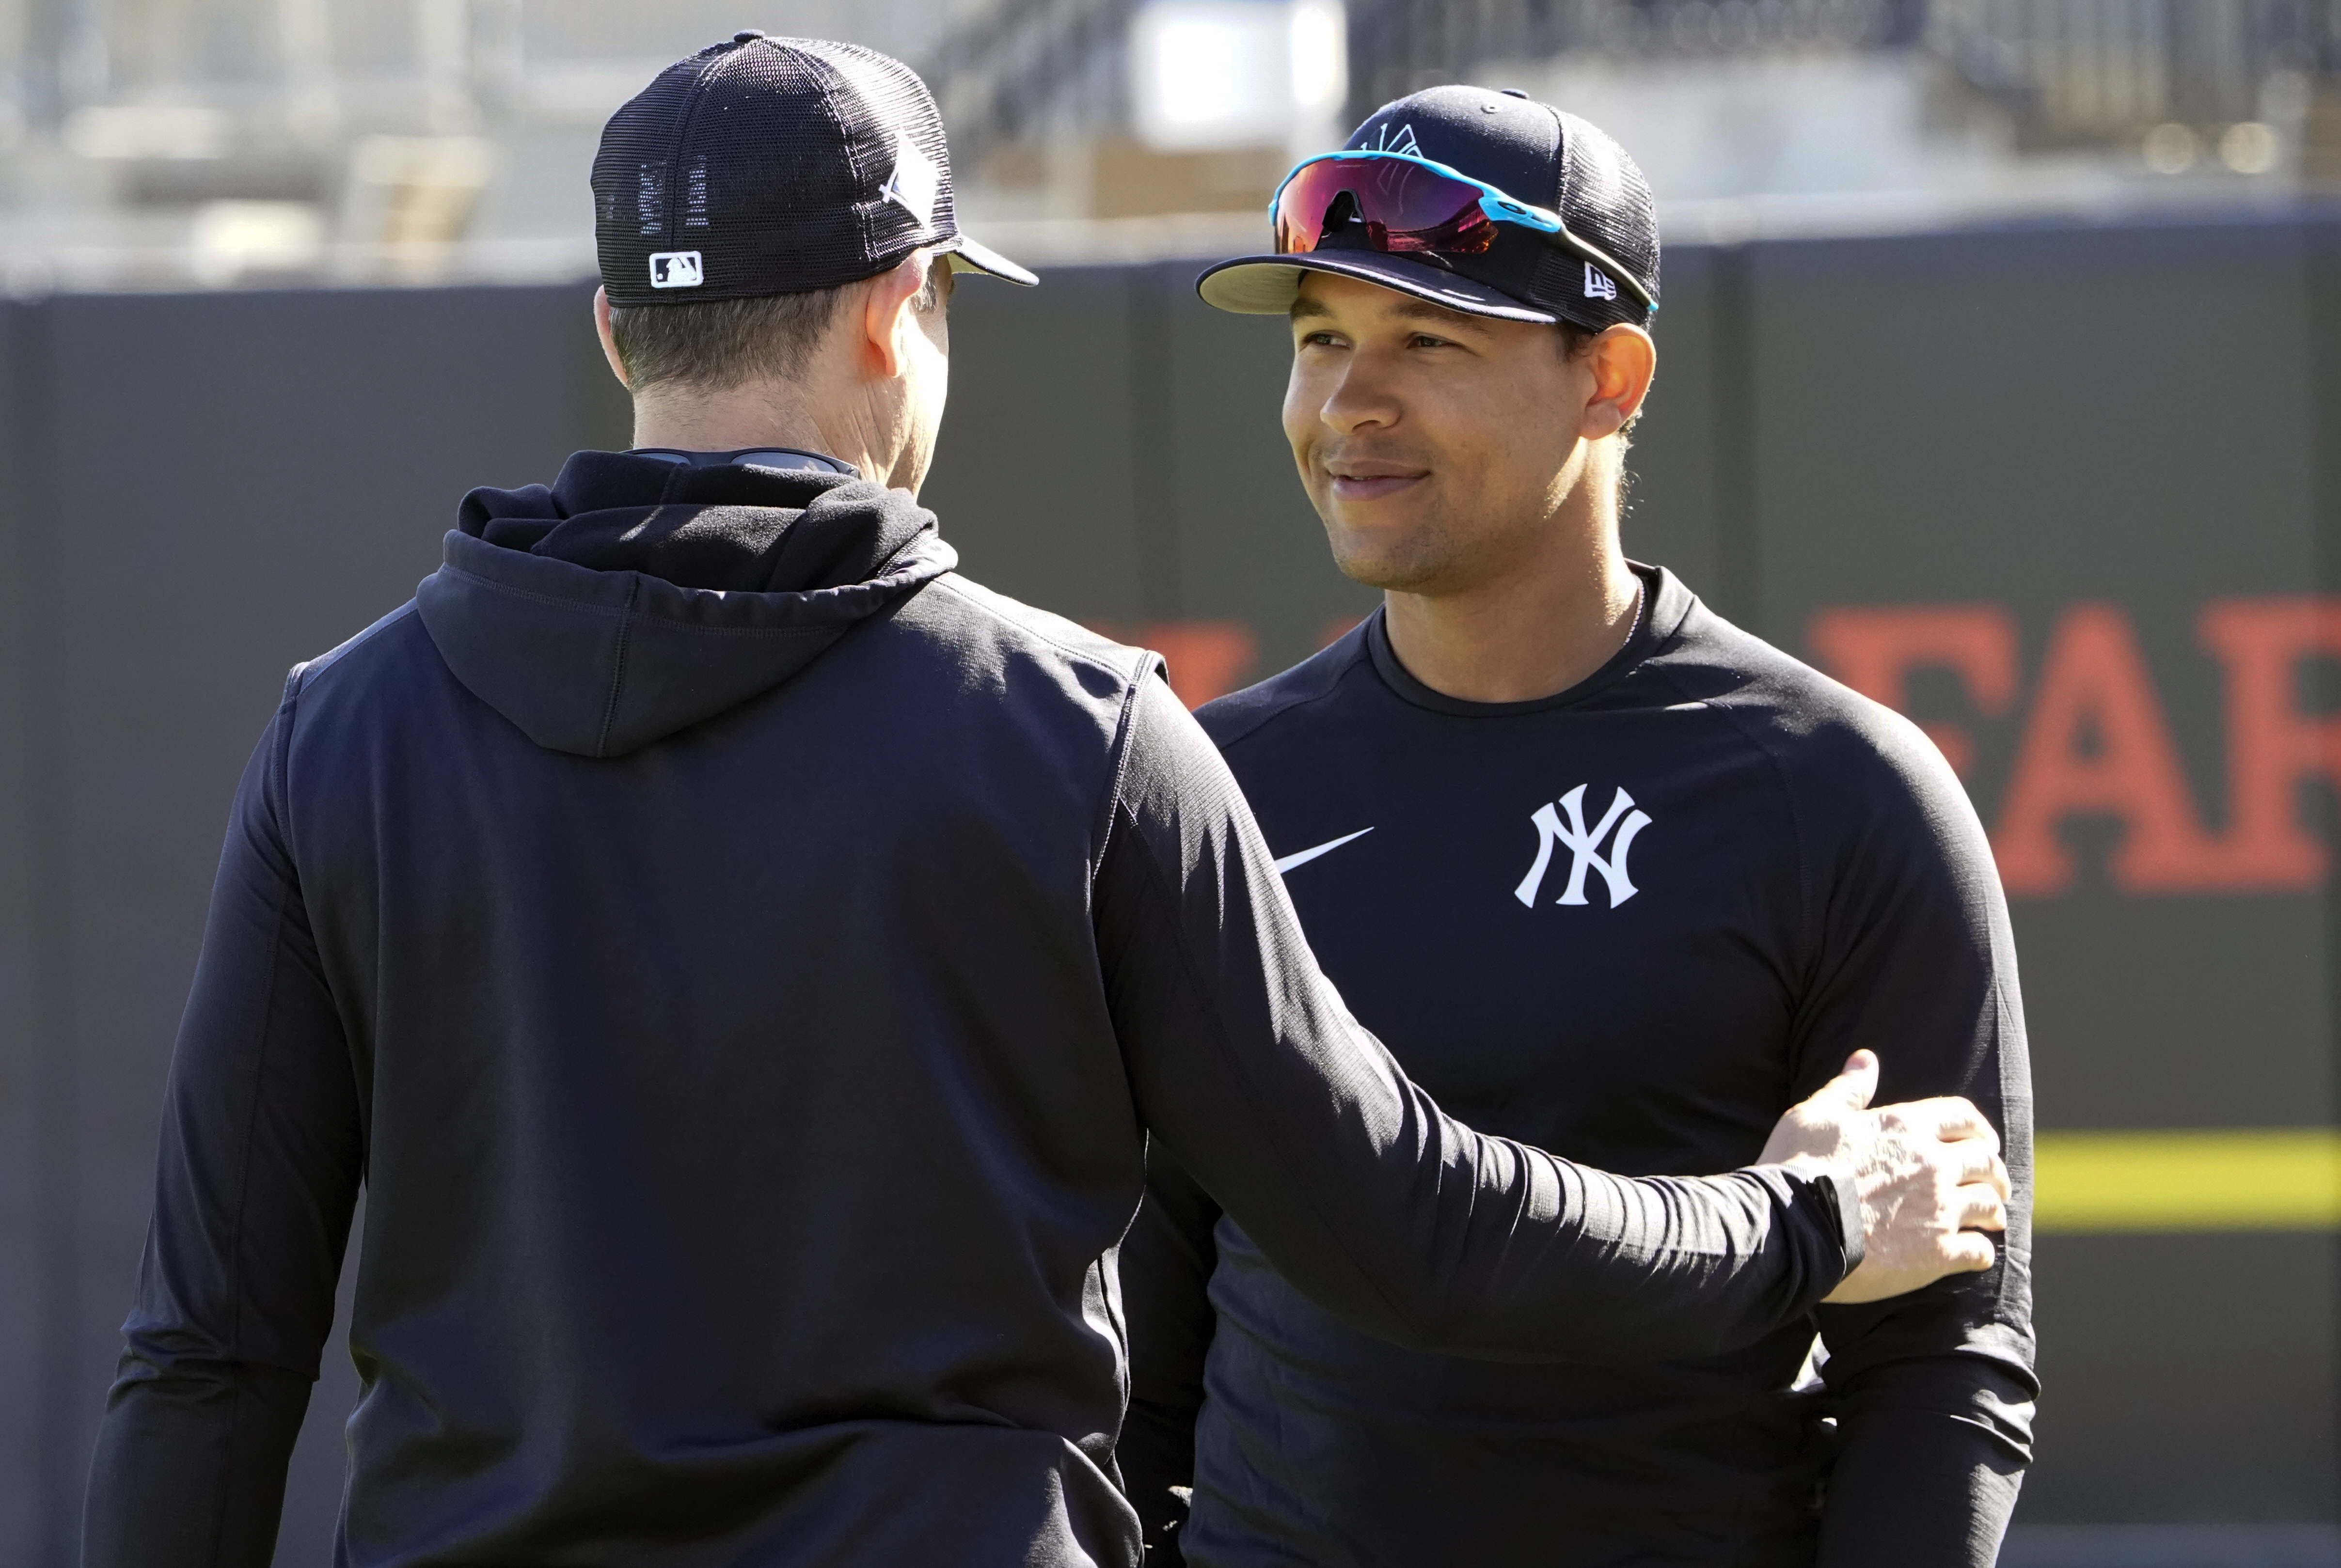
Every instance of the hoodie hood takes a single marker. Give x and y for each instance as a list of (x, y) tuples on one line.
[(637, 597)]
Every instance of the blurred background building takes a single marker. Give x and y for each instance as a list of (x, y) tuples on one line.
[(2001, 377), (223, 140)]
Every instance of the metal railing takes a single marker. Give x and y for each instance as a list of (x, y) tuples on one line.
[(2076, 72), (2065, 72), (1026, 67), (1398, 45)]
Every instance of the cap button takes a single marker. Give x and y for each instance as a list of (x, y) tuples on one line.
[(747, 35)]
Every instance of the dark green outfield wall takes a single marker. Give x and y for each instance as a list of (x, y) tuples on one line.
[(2040, 468)]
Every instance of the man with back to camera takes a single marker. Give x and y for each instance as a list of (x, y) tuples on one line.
[(1609, 875), (742, 960)]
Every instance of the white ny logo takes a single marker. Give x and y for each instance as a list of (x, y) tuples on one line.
[(1582, 845)]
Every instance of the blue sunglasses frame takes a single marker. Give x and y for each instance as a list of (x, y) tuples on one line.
[(1498, 204)]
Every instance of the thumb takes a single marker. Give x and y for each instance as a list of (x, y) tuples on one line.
[(1857, 1083)]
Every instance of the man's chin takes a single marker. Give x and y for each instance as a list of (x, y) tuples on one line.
[(1397, 554), (1392, 575)]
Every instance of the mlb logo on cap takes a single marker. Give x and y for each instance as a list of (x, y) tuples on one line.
[(775, 167), (677, 270)]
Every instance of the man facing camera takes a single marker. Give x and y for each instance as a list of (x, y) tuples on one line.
[(1609, 875), (743, 962)]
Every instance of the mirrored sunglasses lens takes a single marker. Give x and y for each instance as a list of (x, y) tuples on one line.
[(1403, 207)]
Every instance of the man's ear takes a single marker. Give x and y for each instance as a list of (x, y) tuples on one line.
[(883, 310), (609, 338), (1623, 359)]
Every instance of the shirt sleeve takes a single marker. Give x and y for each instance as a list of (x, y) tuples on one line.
[(257, 1179), (1933, 1391), (1246, 1066), (1167, 1261)]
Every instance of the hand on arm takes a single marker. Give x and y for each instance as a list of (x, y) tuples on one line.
[(1932, 1390), (1929, 1172)]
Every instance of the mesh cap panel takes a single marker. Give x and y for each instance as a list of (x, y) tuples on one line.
[(1603, 197), (768, 165)]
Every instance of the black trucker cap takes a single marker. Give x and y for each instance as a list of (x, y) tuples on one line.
[(775, 167), (1529, 151)]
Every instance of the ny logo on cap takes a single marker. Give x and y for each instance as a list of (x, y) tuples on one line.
[(1598, 284), (677, 270), (1401, 141)]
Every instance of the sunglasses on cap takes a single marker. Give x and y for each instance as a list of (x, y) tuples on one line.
[(1407, 205)]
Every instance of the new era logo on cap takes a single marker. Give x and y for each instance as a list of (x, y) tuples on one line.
[(677, 270), (1598, 284)]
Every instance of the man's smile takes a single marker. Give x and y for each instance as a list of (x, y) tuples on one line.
[(1360, 478)]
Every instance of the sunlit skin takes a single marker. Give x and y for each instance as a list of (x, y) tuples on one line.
[(1468, 467), (873, 395)]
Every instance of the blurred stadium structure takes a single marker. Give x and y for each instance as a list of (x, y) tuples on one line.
[(170, 142)]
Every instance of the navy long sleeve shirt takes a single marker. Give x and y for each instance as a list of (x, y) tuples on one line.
[(1631, 923)]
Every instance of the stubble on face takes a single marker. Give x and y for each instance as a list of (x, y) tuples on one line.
[(1411, 560), (1434, 445)]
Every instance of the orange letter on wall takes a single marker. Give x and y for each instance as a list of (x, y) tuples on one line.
[(2272, 745), (2096, 745), (1207, 658), (1873, 650)]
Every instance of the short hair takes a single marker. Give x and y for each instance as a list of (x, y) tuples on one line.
[(718, 344)]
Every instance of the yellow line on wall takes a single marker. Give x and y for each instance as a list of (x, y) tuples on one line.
[(2215, 1179)]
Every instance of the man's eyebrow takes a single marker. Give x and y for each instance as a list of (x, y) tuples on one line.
[(1413, 310), (1406, 309)]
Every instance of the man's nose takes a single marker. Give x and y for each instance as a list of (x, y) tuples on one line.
[(1357, 401)]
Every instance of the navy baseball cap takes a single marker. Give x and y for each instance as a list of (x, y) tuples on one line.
[(1599, 267), (775, 167)]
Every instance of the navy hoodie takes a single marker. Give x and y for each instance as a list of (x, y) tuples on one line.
[(741, 962)]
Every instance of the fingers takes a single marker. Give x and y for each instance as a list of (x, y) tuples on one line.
[(1979, 1167), (1855, 1085), (1979, 1207), (1969, 1252), (1950, 1117)]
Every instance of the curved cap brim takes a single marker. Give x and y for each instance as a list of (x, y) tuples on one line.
[(967, 257), (1267, 285)]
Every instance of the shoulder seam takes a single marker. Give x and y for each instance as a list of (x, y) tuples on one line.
[(309, 670), (1125, 729), (1284, 705), (1740, 727), (1036, 633)]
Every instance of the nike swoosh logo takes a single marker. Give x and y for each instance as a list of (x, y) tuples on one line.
[(1306, 855)]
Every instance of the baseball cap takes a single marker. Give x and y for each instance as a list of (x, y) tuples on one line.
[(773, 166), (1532, 151)]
